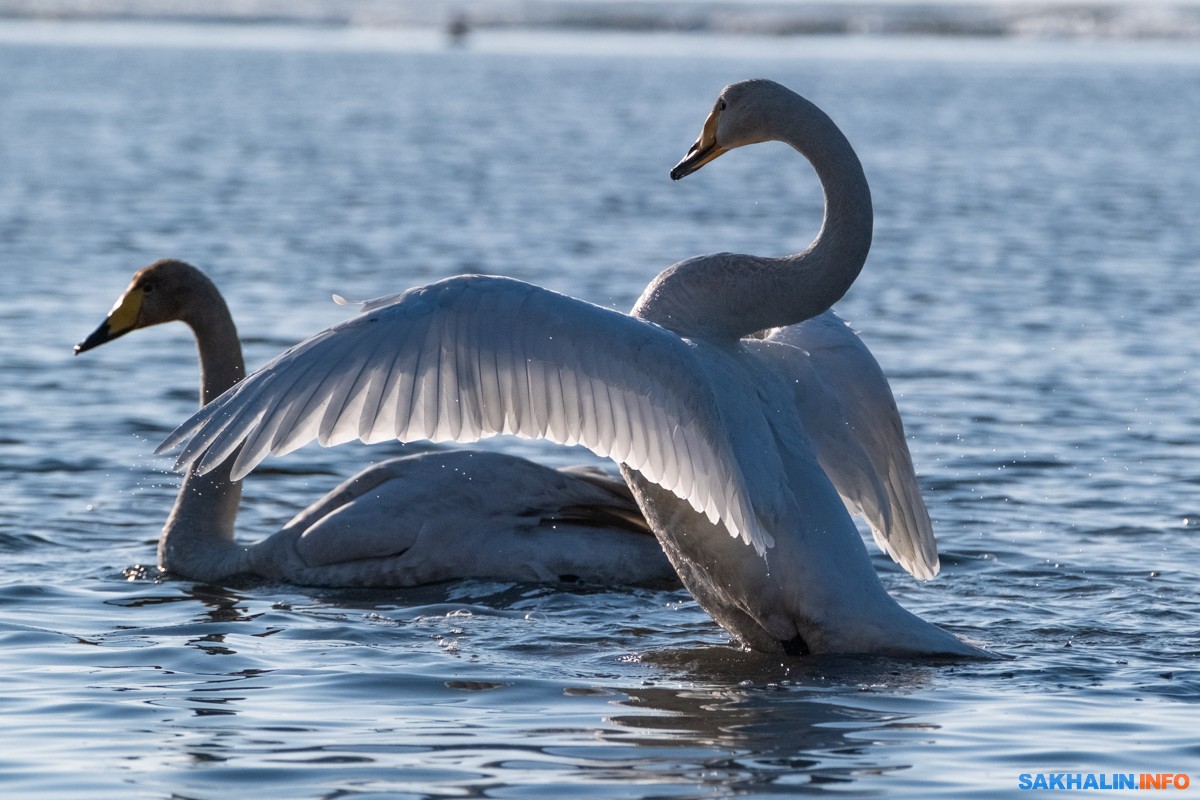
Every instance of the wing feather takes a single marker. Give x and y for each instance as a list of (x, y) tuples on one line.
[(856, 430), (475, 356)]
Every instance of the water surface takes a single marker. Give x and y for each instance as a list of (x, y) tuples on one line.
[(1031, 295)]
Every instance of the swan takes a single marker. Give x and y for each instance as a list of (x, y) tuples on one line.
[(416, 519), (693, 393)]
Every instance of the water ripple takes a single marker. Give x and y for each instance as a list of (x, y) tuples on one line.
[(1027, 295)]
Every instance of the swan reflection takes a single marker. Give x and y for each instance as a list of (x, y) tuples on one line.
[(778, 736)]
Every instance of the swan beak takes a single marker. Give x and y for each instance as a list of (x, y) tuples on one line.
[(121, 320), (703, 151)]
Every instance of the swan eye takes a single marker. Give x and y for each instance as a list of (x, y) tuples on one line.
[(147, 287), (721, 105)]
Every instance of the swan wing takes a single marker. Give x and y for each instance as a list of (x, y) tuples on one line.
[(848, 408), (475, 356)]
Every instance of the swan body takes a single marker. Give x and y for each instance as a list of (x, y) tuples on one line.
[(698, 394), (416, 519)]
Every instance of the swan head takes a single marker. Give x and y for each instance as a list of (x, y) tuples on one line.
[(742, 115), (158, 293)]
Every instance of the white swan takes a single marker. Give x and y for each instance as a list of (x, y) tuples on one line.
[(416, 519), (700, 412)]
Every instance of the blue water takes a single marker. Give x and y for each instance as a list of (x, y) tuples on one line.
[(1032, 294)]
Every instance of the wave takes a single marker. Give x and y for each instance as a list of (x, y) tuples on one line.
[(1073, 19)]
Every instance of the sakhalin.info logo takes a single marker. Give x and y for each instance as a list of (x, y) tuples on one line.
[(1075, 781)]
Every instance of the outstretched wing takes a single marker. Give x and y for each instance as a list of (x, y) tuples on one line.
[(848, 408), (474, 356)]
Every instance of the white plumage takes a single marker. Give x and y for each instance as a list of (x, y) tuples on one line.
[(482, 356), (726, 437), (406, 521)]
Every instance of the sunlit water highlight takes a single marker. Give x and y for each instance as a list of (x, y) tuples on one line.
[(1031, 294)]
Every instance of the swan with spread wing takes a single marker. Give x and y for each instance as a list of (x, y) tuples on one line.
[(695, 394), (417, 519)]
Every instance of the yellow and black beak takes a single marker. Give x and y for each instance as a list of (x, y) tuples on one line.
[(121, 320), (703, 151)]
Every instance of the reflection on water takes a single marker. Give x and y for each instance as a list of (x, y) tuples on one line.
[(779, 738)]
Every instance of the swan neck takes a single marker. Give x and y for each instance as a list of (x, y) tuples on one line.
[(221, 362), (197, 540), (839, 251), (801, 286), (732, 296)]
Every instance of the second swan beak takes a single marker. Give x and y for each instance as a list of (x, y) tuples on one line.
[(121, 320)]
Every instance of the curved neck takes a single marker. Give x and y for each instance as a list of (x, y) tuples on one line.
[(731, 296), (197, 540)]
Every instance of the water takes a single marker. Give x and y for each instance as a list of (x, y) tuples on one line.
[(1032, 294)]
